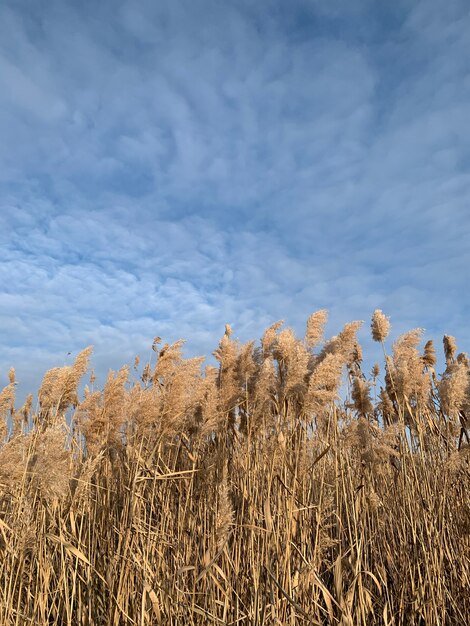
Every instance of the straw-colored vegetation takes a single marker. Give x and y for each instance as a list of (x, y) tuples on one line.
[(285, 486)]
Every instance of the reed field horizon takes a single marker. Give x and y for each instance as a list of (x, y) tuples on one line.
[(284, 485)]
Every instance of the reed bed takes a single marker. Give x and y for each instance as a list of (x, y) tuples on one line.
[(284, 486)]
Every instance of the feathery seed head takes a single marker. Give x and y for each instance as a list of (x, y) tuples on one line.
[(344, 344), (7, 408), (51, 470), (357, 353), (347, 341), (269, 337), (410, 384), (453, 389), (386, 408), (450, 348), (380, 326), (315, 327), (361, 397), (429, 356), (60, 385)]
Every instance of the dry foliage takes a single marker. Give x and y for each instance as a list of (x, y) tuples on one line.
[(283, 487)]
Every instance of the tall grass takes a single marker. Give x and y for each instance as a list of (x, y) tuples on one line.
[(256, 492)]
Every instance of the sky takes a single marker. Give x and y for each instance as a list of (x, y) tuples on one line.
[(167, 166)]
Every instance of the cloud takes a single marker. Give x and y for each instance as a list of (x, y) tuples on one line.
[(169, 167)]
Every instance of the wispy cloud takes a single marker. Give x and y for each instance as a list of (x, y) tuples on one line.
[(167, 167)]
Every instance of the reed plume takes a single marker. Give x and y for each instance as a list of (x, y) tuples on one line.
[(7, 407), (380, 326), (429, 356), (361, 397), (315, 328), (450, 348), (59, 388)]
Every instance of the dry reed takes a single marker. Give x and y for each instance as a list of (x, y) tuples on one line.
[(280, 488)]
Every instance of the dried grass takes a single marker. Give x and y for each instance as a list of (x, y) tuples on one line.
[(258, 492)]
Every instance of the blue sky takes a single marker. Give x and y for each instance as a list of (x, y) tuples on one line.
[(167, 166)]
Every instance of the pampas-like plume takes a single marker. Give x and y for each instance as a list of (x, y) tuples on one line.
[(293, 360), (315, 327), (386, 408), (143, 411), (50, 468), (284, 345), (357, 354), (264, 391), (208, 411), (179, 395), (297, 372), (361, 397), (380, 326), (344, 344), (101, 415), (453, 389), (7, 407), (42, 463), (59, 388), (246, 364), (269, 338), (410, 384), (169, 357), (13, 460), (323, 387), (450, 348), (229, 388), (348, 344), (429, 356), (376, 446)]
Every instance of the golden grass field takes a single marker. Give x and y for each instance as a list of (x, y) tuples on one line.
[(285, 486)]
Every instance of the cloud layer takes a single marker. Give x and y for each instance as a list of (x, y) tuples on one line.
[(167, 167)]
